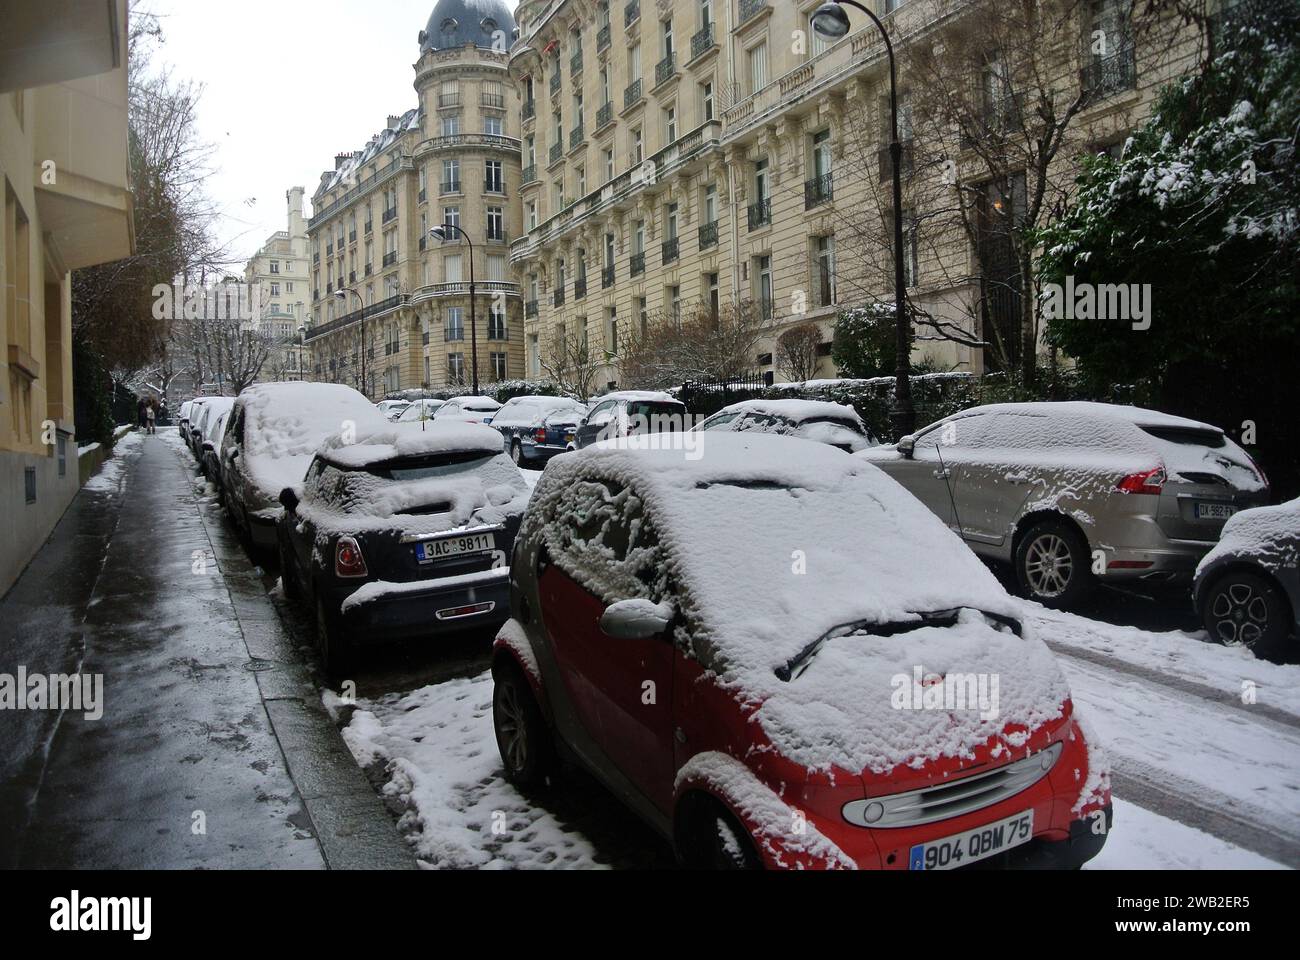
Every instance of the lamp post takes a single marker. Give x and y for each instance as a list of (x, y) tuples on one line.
[(342, 294), (442, 233), (832, 22)]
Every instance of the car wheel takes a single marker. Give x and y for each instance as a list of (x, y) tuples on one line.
[(516, 453), (729, 846), (289, 572), (523, 737), (1052, 564), (1244, 609), (336, 652)]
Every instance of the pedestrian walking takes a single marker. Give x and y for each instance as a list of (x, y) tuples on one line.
[(140, 416), (151, 414)]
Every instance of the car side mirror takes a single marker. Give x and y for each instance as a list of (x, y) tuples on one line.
[(289, 499), (636, 619), (907, 445)]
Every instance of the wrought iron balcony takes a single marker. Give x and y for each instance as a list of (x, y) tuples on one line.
[(749, 9), (352, 236), (638, 264), (424, 196), (709, 235), (671, 248), (818, 190), (602, 38), (555, 82), (576, 136), (1105, 76), (579, 288), (607, 277), (702, 41), (632, 94), (530, 309), (530, 173), (449, 99), (530, 109), (451, 186), (390, 258), (370, 227), (666, 68), (631, 13), (497, 100), (604, 115), (557, 151), (760, 214), (557, 297), (389, 215)]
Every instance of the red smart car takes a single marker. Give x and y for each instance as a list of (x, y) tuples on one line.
[(779, 658)]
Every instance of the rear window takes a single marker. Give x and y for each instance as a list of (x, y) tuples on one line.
[(660, 417), (1189, 436), (363, 489)]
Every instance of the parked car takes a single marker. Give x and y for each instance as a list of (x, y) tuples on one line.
[(274, 432), (208, 411), (1247, 589), (726, 679), (522, 425), (392, 409), (419, 411), (183, 419), (1072, 494), (402, 533), (468, 410), (628, 413), (210, 448), (832, 423), (189, 414)]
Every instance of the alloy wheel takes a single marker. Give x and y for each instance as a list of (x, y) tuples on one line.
[(1048, 565), (512, 731), (1240, 614)]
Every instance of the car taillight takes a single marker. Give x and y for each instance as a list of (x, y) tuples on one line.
[(348, 561), (539, 435), (1258, 470), (1151, 481)]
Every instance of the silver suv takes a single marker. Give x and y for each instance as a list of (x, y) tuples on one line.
[(1069, 493)]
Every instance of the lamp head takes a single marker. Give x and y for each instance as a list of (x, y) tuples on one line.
[(830, 21)]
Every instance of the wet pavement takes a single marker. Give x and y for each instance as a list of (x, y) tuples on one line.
[(213, 750)]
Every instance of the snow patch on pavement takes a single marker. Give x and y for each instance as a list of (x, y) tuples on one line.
[(1142, 840), (441, 759), (110, 474)]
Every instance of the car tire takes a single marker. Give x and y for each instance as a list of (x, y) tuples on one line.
[(1243, 608), (336, 650), (1053, 566), (723, 844), (522, 735), (517, 453)]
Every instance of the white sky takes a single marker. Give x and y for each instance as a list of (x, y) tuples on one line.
[(287, 85)]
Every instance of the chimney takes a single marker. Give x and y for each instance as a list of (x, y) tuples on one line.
[(297, 226), (340, 159), (393, 121)]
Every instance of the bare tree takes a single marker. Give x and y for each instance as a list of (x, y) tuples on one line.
[(696, 343), (571, 364), (796, 352)]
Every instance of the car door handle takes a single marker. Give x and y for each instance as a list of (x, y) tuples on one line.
[(941, 474)]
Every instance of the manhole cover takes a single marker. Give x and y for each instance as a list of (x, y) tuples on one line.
[(259, 666)]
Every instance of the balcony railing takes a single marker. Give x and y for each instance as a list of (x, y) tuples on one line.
[(631, 13), (709, 235), (370, 227), (602, 38), (375, 309), (638, 264), (818, 190), (702, 42), (576, 136), (451, 186), (390, 258), (449, 99), (557, 151), (887, 162), (530, 109), (495, 186), (666, 68), (607, 277), (389, 216), (497, 100), (575, 63), (496, 236), (424, 195), (352, 236), (370, 268), (352, 276), (329, 249), (453, 332), (497, 329), (604, 115), (557, 296), (671, 248), (760, 214), (579, 288), (1105, 76), (530, 309), (632, 94), (555, 82), (315, 257), (749, 9)]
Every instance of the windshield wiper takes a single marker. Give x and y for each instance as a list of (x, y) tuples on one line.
[(937, 618)]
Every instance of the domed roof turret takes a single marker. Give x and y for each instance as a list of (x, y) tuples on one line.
[(454, 23)]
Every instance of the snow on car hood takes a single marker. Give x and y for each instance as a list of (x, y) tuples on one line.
[(394, 442), (1270, 536), (285, 423), (776, 546)]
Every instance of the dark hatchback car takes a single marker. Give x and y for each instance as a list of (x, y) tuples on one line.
[(630, 413), (536, 428), (400, 535)]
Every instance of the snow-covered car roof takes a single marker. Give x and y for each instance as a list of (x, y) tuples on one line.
[(216, 428), (647, 396), (481, 404), (839, 542), (390, 443), (1268, 536), (285, 423), (1095, 436), (796, 411), (210, 409)]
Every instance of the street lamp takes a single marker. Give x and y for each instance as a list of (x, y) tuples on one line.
[(832, 22), (342, 294), (442, 233)]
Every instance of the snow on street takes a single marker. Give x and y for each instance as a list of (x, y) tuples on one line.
[(1220, 764)]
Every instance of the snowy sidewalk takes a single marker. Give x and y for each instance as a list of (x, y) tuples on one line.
[(212, 751)]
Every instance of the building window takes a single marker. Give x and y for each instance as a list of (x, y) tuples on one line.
[(824, 270), (492, 125), (757, 56), (497, 322), (499, 370), (496, 229), (763, 294), (454, 325), (706, 97), (493, 178), (456, 369)]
